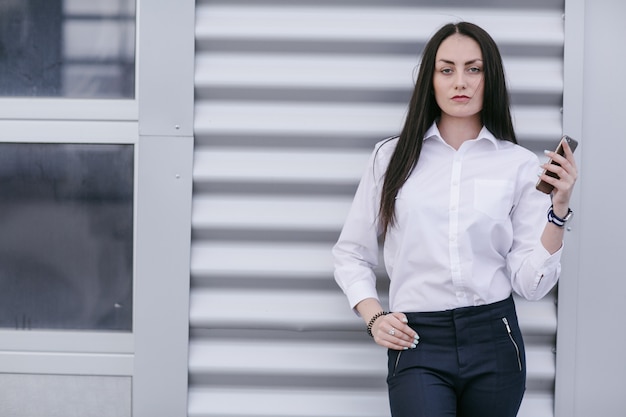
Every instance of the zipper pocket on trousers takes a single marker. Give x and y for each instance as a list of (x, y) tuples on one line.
[(395, 367), (508, 329)]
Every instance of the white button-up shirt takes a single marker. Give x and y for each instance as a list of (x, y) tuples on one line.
[(467, 231)]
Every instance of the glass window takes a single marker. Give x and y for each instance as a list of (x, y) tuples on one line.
[(67, 48), (66, 247)]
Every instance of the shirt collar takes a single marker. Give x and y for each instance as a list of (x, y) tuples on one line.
[(433, 132)]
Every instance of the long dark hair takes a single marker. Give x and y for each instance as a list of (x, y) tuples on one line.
[(423, 111)]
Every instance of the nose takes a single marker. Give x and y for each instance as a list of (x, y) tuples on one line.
[(460, 83)]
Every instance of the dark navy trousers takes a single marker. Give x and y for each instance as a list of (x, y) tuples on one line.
[(470, 362)]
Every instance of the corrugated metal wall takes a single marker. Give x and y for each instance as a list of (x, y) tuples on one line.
[(290, 98)]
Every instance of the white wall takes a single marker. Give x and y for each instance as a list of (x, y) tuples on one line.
[(595, 351), (164, 185)]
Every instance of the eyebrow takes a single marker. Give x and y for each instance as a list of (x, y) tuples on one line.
[(473, 61)]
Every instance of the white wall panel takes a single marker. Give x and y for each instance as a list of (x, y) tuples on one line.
[(289, 118), (25, 395), (222, 70), (286, 402), (372, 24), (290, 99)]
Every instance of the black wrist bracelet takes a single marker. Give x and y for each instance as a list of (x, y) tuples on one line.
[(560, 222), (373, 319)]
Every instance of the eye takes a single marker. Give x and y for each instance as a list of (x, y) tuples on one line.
[(446, 70), (474, 70)]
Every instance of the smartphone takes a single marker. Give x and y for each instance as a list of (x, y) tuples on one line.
[(543, 186)]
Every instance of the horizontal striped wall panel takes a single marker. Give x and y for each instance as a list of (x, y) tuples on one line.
[(212, 360), (380, 120), (372, 24), (291, 97), (221, 71), (289, 309), (207, 402)]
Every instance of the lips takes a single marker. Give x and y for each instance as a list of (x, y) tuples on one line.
[(461, 99)]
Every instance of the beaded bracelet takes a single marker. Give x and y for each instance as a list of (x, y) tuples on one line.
[(373, 319)]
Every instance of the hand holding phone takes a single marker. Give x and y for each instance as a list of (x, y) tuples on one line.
[(544, 186)]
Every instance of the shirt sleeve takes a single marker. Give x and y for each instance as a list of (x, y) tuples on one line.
[(356, 253), (534, 272)]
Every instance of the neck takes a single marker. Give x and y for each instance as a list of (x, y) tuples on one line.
[(454, 131)]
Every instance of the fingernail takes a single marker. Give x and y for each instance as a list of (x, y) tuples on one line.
[(413, 346), (405, 320), (405, 348), (546, 151), (416, 337)]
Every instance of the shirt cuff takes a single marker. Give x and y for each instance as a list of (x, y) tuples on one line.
[(358, 292)]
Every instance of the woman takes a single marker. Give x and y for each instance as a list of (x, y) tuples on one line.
[(454, 199)]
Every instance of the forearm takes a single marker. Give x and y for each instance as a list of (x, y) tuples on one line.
[(566, 171), (552, 238), (368, 308)]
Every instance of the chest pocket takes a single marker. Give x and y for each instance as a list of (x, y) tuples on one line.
[(493, 198)]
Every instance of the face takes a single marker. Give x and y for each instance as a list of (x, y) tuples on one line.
[(458, 79)]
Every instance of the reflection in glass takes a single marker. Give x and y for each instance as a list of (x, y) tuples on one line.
[(66, 246), (67, 48)]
